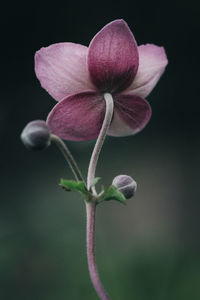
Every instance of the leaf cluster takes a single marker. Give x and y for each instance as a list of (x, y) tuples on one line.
[(111, 193)]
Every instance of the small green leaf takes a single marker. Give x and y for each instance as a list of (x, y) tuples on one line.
[(95, 181), (74, 186), (112, 193)]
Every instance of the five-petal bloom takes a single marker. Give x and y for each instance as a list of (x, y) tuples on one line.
[(78, 77)]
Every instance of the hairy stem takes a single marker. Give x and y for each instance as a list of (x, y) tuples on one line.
[(90, 210), (91, 206), (99, 143), (68, 156)]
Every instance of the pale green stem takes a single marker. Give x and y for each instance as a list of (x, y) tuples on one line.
[(68, 156), (99, 143), (91, 206), (92, 266)]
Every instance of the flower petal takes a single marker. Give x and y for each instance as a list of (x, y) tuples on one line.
[(131, 115), (62, 69), (113, 57), (152, 63), (78, 117)]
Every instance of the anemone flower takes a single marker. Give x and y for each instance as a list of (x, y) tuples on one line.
[(78, 77)]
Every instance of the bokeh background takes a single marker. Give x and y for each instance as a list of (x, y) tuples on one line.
[(149, 249)]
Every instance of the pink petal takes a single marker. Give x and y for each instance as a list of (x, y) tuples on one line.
[(78, 117), (113, 57), (152, 63), (62, 69), (131, 115)]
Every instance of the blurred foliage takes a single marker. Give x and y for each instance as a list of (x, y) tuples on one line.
[(50, 269)]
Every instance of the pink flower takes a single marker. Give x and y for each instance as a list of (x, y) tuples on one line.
[(78, 76)]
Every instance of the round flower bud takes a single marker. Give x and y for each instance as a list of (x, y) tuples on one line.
[(36, 135), (126, 185)]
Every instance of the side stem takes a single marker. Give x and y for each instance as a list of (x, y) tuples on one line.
[(68, 156)]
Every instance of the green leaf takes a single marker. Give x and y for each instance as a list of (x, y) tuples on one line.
[(112, 193), (95, 181), (74, 186)]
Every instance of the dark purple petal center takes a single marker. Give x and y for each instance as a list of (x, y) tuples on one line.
[(113, 57)]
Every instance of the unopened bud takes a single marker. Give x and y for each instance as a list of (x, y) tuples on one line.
[(36, 135), (126, 185)]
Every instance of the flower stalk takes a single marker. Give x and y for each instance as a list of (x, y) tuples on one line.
[(68, 156), (91, 212), (99, 143), (91, 206)]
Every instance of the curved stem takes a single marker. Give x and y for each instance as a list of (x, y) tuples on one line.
[(68, 156), (91, 206), (91, 209), (99, 143)]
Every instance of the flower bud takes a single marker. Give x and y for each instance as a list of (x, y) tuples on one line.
[(36, 135), (126, 185)]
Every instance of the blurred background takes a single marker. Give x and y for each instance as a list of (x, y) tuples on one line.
[(149, 249)]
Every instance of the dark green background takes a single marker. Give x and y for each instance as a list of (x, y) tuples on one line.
[(146, 250)]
